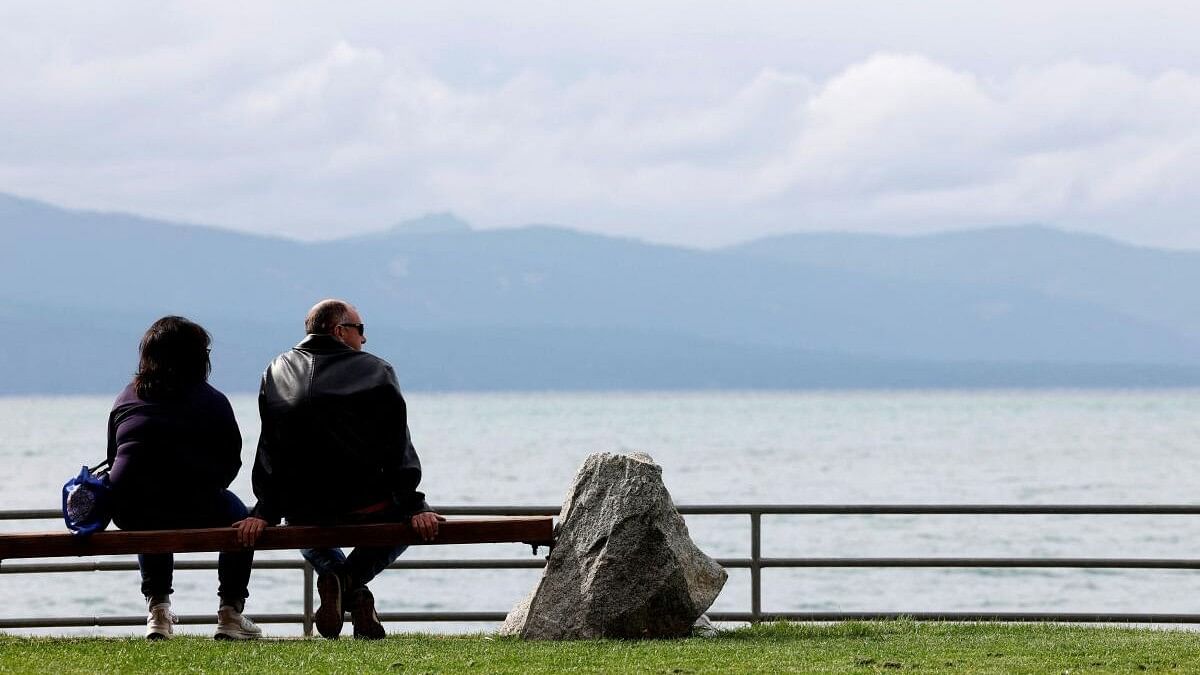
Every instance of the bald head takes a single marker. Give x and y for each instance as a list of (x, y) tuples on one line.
[(325, 316), (339, 319)]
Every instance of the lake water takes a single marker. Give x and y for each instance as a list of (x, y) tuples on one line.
[(1028, 447)]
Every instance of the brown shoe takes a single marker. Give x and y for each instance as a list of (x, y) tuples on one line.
[(363, 615), (329, 617)]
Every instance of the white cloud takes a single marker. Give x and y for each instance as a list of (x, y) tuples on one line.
[(691, 124)]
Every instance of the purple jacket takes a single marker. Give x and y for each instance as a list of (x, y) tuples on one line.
[(172, 454)]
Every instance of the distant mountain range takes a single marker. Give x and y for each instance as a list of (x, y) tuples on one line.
[(543, 307)]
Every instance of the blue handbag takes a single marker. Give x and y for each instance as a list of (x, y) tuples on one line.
[(87, 500)]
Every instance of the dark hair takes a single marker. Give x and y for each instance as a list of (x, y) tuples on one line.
[(325, 316), (173, 355)]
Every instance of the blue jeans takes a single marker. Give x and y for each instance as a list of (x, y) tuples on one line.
[(158, 569), (365, 562)]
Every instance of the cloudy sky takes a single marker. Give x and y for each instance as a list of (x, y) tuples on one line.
[(701, 123)]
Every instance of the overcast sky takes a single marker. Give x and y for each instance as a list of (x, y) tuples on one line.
[(684, 122)]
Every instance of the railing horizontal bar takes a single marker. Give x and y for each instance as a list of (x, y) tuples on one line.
[(941, 509), (138, 620), (791, 509), (30, 514), (443, 616), (731, 563), (865, 509), (961, 616), (1084, 563), (547, 510), (200, 619), (1064, 563), (472, 617), (461, 564)]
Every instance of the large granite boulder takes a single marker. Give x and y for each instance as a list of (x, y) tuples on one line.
[(623, 565)]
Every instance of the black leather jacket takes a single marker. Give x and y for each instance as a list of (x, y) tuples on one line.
[(334, 437)]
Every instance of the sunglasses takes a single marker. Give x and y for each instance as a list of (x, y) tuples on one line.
[(358, 326)]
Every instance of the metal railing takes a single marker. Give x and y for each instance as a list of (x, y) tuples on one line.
[(755, 564)]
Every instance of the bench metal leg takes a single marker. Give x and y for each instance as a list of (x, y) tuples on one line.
[(308, 599)]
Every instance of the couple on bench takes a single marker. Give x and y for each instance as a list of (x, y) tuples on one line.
[(334, 449)]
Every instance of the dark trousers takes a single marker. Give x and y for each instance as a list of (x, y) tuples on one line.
[(158, 569), (365, 562)]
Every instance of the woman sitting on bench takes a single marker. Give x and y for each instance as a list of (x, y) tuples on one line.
[(176, 448)]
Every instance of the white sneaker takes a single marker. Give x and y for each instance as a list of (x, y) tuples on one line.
[(160, 624), (231, 625)]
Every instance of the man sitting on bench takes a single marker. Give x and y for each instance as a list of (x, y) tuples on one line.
[(335, 449)]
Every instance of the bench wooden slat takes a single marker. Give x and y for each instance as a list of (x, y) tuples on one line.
[(528, 530)]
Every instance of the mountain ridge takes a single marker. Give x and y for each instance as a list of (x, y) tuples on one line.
[(527, 306)]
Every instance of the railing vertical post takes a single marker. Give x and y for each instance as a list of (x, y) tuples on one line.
[(308, 599), (755, 569)]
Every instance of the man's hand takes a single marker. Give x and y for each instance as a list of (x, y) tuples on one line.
[(426, 524), (248, 530)]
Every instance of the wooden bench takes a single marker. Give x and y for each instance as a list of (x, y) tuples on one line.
[(535, 531)]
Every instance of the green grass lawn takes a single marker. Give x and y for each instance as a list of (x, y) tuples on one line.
[(885, 647)]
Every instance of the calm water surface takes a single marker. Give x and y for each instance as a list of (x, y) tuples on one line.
[(1030, 447)]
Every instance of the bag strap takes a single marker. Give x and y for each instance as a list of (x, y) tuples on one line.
[(106, 465)]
